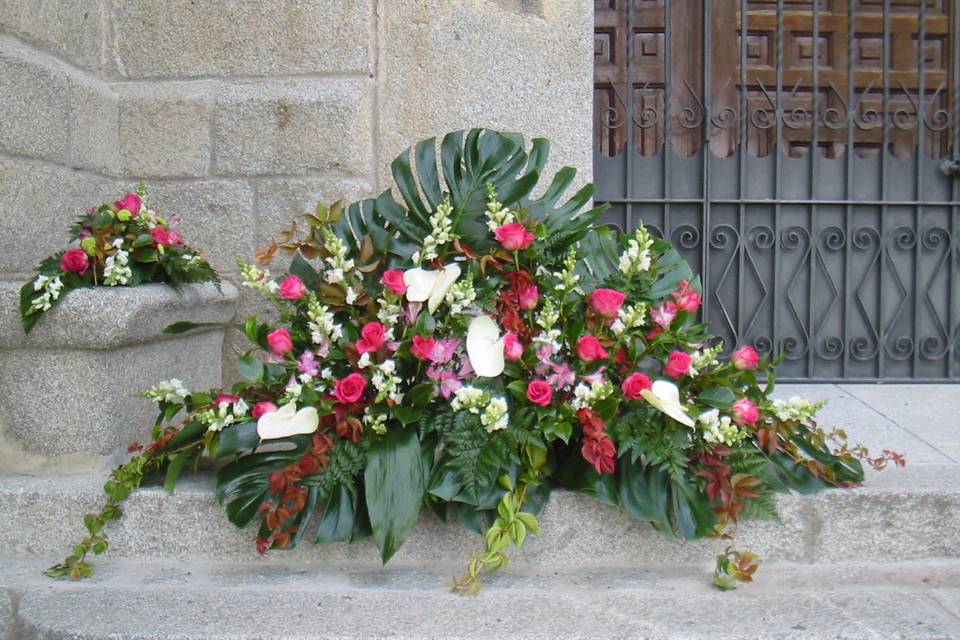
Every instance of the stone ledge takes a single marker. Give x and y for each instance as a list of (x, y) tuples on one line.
[(45, 517), (133, 315), (190, 602)]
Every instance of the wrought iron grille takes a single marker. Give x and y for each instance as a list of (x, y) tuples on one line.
[(803, 155)]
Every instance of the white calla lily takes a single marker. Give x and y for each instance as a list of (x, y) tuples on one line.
[(665, 396), (287, 421), (430, 286), (485, 347)]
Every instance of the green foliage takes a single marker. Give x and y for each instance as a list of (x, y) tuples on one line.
[(642, 433), (476, 457), (393, 480)]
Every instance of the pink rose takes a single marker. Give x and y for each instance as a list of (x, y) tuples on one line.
[(393, 280), (528, 296), (292, 288), (422, 348), (634, 384), (280, 341), (174, 238), (678, 364), (261, 408), (131, 202), (686, 298), (372, 337), (745, 358), (745, 412), (350, 389), (607, 302), (512, 347), (540, 393), (514, 236), (590, 349), (75, 261)]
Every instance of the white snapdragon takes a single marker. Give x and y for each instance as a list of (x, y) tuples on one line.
[(587, 395), (337, 261), (493, 411), (494, 416), (389, 312), (719, 429), (441, 232), (167, 391), (224, 415), (322, 323), (386, 382), (375, 421), (497, 215), (704, 358), (461, 295), (636, 258), (630, 316), (116, 269), (256, 278), (548, 316), (567, 278), (796, 409), (51, 287)]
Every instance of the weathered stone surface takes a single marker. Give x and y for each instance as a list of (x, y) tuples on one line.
[(293, 127), (577, 531), (71, 28), (6, 617), (446, 66), (52, 111), (165, 128), (93, 126), (192, 39), (936, 423), (39, 203), (72, 385), (332, 609), (282, 201), (216, 217), (35, 104)]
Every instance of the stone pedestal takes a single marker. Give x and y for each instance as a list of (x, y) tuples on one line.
[(71, 385)]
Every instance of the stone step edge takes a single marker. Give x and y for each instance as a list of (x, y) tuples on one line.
[(802, 603), (915, 519)]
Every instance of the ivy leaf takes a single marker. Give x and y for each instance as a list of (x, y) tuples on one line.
[(393, 482), (250, 367)]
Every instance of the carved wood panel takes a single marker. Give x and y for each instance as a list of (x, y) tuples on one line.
[(858, 80)]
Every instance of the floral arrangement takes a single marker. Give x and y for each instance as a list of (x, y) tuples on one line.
[(121, 244), (469, 349)]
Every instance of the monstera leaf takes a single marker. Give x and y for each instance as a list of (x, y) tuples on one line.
[(468, 162)]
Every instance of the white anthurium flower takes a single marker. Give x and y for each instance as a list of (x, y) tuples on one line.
[(430, 286), (287, 421), (665, 396), (485, 347)]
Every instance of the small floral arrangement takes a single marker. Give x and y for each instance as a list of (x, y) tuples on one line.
[(121, 244), (468, 351)]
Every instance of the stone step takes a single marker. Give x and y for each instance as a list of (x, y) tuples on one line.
[(910, 514), (161, 600)]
